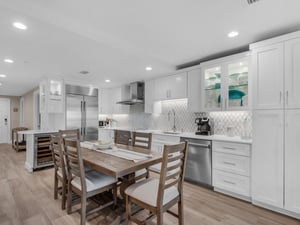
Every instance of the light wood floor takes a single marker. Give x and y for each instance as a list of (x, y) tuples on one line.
[(27, 199)]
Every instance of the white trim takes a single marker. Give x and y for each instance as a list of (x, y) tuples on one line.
[(21, 122), (36, 109), (7, 100)]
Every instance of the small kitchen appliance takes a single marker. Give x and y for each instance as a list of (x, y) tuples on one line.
[(203, 126), (102, 123)]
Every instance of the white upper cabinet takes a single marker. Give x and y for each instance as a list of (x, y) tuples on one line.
[(225, 83), (109, 97), (52, 96), (292, 73), (150, 105), (194, 90), (171, 87), (268, 77), (276, 71)]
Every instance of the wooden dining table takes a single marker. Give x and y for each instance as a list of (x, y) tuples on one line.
[(119, 167)]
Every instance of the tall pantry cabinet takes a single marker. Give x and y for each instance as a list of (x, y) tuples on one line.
[(276, 123)]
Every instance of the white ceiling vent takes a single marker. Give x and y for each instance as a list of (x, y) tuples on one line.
[(252, 1)]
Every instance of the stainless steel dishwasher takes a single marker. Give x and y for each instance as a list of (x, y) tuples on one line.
[(199, 162)]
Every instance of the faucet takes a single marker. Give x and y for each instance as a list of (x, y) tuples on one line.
[(174, 116)]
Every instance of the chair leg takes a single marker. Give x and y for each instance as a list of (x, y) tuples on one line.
[(128, 210), (63, 195), (115, 195), (55, 186), (160, 220), (69, 199), (180, 213), (83, 210)]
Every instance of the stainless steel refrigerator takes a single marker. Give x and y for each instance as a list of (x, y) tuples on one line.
[(82, 111)]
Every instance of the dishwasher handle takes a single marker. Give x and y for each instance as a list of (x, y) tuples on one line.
[(199, 145)]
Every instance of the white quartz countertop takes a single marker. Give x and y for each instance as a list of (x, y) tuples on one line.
[(37, 131), (226, 138)]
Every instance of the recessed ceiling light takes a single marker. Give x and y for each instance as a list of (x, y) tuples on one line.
[(148, 68), (233, 34), (8, 60), (107, 81), (241, 63), (2, 75), (20, 26)]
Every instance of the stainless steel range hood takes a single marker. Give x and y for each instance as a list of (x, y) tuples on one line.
[(135, 94)]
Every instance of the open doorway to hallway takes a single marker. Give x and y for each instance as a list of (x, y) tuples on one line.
[(4, 120)]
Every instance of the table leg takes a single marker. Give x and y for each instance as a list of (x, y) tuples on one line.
[(126, 181)]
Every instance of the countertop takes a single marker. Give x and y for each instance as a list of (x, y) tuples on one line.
[(215, 137), (37, 131)]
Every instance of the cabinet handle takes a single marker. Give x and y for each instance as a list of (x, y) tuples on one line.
[(229, 148), (229, 163), (280, 96), (229, 182), (287, 97)]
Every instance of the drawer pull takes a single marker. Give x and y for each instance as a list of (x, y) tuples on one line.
[(230, 148), (229, 182), (229, 163)]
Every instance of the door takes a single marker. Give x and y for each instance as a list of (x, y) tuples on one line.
[(267, 157), (74, 109), (194, 91), (177, 86), (268, 77), (90, 118), (292, 71), (292, 159), (4, 120)]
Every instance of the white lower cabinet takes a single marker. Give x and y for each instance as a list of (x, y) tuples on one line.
[(231, 168), (158, 142), (276, 157)]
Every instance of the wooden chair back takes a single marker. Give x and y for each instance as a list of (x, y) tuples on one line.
[(15, 139), (74, 161), (122, 137), (172, 169), (57, 155), (71, 134), (142, 140)]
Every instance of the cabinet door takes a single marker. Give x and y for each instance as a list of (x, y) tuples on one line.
[(194, 91), (267, 157), (161, 88), (268, 77), (116, 96), (106, 135), (292, 71), (211, 86), (236, 91), (292, 161), (106, 103), (177, 86)]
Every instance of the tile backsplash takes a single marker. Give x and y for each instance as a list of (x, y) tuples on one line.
[(185, 120)]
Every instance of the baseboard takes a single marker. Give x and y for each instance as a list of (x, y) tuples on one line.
[(245, 198)]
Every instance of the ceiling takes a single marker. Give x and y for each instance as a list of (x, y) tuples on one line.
[(117, 39)]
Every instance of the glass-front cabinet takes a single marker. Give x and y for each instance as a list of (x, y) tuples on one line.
[(225, 85)]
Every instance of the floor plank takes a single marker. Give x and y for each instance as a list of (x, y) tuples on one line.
[(27, 199)]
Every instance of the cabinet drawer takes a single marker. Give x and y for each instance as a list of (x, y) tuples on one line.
[(232, 148), (231, 182), (165, 139), (231, 163)]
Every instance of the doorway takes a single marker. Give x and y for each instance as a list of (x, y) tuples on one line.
[(4, 120)]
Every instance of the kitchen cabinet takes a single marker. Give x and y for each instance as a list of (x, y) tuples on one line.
[(231, 168), (194, 91), (171, 87), (109, 97), (276, 124), (51, 96), (225, 83), (157, 145), (150, 105)]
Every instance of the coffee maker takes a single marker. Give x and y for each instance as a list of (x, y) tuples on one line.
[(203, 126)]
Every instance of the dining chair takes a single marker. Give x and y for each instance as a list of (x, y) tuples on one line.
[(85, 184), (142, 140), (59, 169), (72, 133), (122, 137), (159, 195)]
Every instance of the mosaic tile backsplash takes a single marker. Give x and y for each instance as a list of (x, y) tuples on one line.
[(239, 123)]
